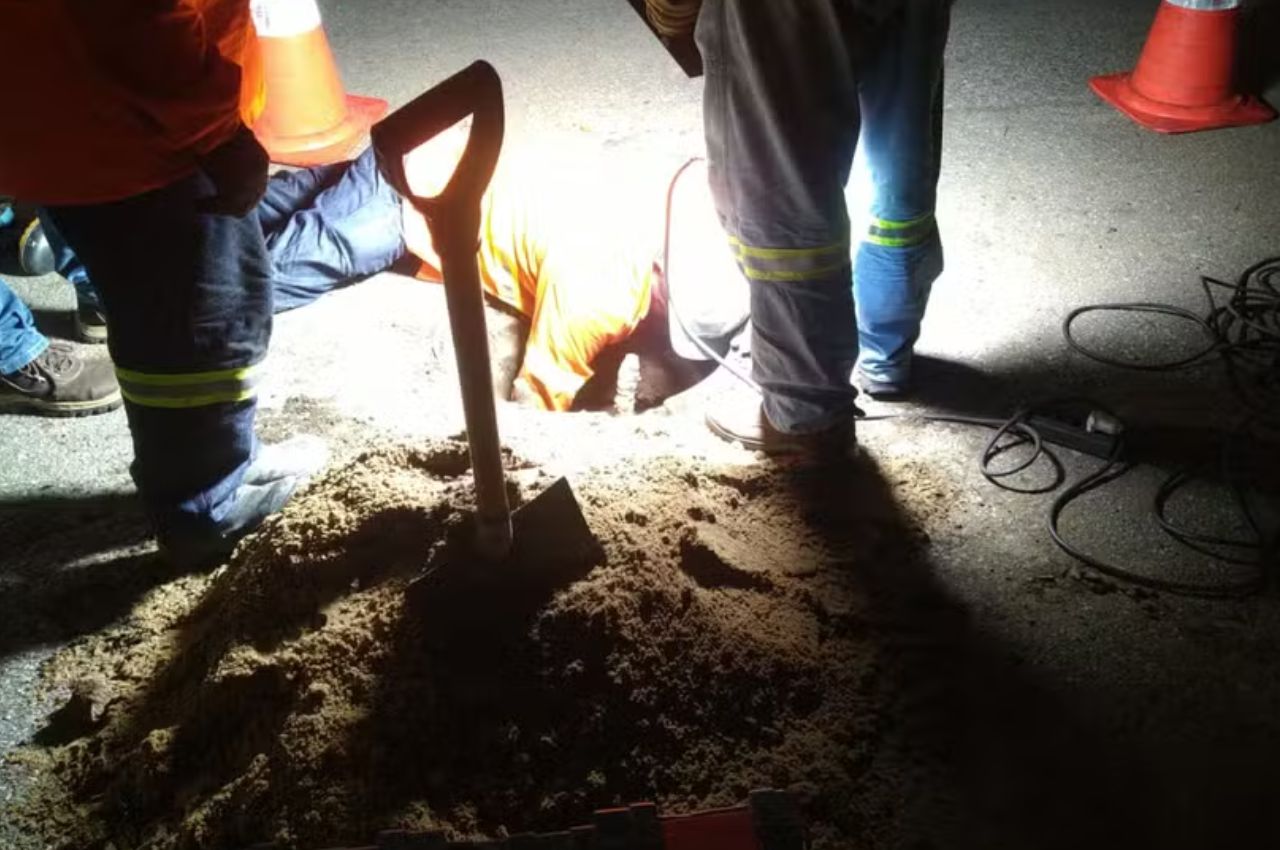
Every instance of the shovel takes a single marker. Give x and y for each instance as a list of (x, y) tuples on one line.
[(514, 562)]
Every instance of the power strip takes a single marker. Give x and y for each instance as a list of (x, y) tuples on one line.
[(1098, 436)]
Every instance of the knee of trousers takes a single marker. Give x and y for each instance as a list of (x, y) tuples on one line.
[(902, 274)]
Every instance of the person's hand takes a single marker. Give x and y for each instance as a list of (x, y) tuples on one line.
[(238, 169)]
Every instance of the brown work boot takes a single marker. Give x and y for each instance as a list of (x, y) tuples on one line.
[(60, 383), (743, 421)]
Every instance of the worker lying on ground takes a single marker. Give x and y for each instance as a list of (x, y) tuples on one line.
[(577, 256), (324, 227)]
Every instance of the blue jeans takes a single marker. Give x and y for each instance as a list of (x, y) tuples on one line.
[(900, 95), (328, 226), (20, 342)]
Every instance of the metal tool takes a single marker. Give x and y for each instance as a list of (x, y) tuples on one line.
[(520, 558)]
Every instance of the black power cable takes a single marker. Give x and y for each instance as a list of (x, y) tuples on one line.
[(1244, 332)]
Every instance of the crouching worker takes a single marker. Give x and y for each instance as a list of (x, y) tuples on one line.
[(575, 252), (134, 141), (578, 249)]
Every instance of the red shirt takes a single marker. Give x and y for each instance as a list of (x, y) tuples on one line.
[(115, 99)]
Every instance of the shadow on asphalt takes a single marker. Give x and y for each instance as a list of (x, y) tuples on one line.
[(58, 324), (1195, 397), (1258, 68), (9, 236), (71, 566), (964, 708)]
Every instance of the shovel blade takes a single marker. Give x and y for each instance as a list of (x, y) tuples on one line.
[(463, 596), (551, 541)]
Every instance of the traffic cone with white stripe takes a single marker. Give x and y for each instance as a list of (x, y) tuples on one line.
[(1184, 79), (308, 118)]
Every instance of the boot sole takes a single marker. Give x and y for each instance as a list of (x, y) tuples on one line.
[(882, 390), (61, 409), (787, 448), (751, 445), (91, 334)]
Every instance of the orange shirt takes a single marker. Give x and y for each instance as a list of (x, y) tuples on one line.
[(568, 245), (114, 99)]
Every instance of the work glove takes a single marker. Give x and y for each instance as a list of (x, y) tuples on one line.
[(238, 169)]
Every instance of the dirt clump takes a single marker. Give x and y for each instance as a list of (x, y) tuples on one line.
[(729, 641)]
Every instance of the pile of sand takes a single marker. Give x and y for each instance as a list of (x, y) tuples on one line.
[(734, 638)]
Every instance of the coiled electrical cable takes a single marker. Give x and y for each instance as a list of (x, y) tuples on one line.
[(1242, 332)]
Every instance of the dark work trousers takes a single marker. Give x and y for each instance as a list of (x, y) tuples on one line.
[(188, 302), (788, 87)]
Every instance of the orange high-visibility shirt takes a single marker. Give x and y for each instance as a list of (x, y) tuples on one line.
[(574, 255), (115, 99)]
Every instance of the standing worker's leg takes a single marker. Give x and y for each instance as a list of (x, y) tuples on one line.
[(901, 252), (188, 299), (91, 322), (41, 251), (781, 113)]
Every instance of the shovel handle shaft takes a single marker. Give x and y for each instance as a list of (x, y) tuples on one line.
[(453, 217), (471, 347)]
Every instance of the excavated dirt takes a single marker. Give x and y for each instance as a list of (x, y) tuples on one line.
[(749, 626)]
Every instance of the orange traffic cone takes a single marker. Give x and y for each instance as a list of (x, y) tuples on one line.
[(308, 119), (1183, 80)]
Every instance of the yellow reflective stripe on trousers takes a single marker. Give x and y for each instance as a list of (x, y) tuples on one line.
[(791, 264), (785, 276), (168, 380), (191, 389), (901, 234), (744, 250), (177, 402)]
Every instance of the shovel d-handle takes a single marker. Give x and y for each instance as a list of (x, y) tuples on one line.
[(453, 218), (474, 92)]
